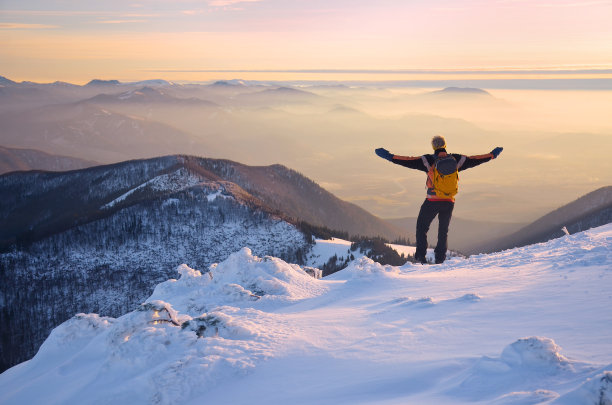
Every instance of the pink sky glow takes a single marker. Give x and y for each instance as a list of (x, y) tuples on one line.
[(75, 40)]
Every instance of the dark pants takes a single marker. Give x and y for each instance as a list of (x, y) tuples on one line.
[(429, 210)]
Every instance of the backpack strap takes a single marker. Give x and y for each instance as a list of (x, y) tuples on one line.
[(461, 161), (426, 162)]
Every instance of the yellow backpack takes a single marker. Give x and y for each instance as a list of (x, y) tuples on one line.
[(443, 177)]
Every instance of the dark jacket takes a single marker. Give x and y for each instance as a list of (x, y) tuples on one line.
[(463, 162), (416, 162)]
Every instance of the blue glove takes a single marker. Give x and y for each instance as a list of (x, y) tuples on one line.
[(384, 153), (495, 152)]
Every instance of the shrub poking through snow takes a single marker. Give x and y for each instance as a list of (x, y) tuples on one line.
[(313, 272), (605, 388), (595, 391), (203, 326), (161, 312)]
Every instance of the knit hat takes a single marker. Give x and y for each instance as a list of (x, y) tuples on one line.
[(438, 142)]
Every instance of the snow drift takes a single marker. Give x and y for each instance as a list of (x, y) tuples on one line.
[(524, 326)]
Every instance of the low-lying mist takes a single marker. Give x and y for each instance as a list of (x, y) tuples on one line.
[(555, 142)]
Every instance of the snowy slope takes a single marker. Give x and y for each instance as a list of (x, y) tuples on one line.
[(526, 326), (324, 249)]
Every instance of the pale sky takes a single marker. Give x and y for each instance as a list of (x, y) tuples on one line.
[(77, 40)]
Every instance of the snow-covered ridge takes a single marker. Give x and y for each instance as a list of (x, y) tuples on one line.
[(179, 180), (524, 326), (108, 260)]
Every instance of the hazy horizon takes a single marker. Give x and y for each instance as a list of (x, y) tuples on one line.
[(329, 133)]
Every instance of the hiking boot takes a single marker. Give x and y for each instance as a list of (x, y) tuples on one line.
[(421, 259)]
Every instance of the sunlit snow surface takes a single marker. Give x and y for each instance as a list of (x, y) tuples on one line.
[(524, 326)]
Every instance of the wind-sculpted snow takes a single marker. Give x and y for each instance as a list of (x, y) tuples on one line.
[(188, 335), (526, 326), (239, 280), (595, 390), (535, 352), (581, 249), (524, 364)]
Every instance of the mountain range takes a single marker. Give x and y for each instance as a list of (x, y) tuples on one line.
[(320, 130), (327, 132), (147, 95), (99, 239), (90, 132)]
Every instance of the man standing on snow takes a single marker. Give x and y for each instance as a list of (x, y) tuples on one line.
[(442, 179)]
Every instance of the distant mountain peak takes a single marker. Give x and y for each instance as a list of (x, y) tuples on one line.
[(147, 94), (285, 89), (19, 159), (462, 90), (4, 81), (151, 83), (61, 83), (148, 91), (99, 82), (229, 83), (342, 109)]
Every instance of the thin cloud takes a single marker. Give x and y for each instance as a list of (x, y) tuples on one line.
[(50, 13), (121, 21), (195, 12), (140, 15), (224, 3), (19, 26), (578, 4), (558, 4), (75, 13)]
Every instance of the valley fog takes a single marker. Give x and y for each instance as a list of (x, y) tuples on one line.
[(555, 142)]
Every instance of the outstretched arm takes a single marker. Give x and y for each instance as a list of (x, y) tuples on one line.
[(412, 162), (473, 161)]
